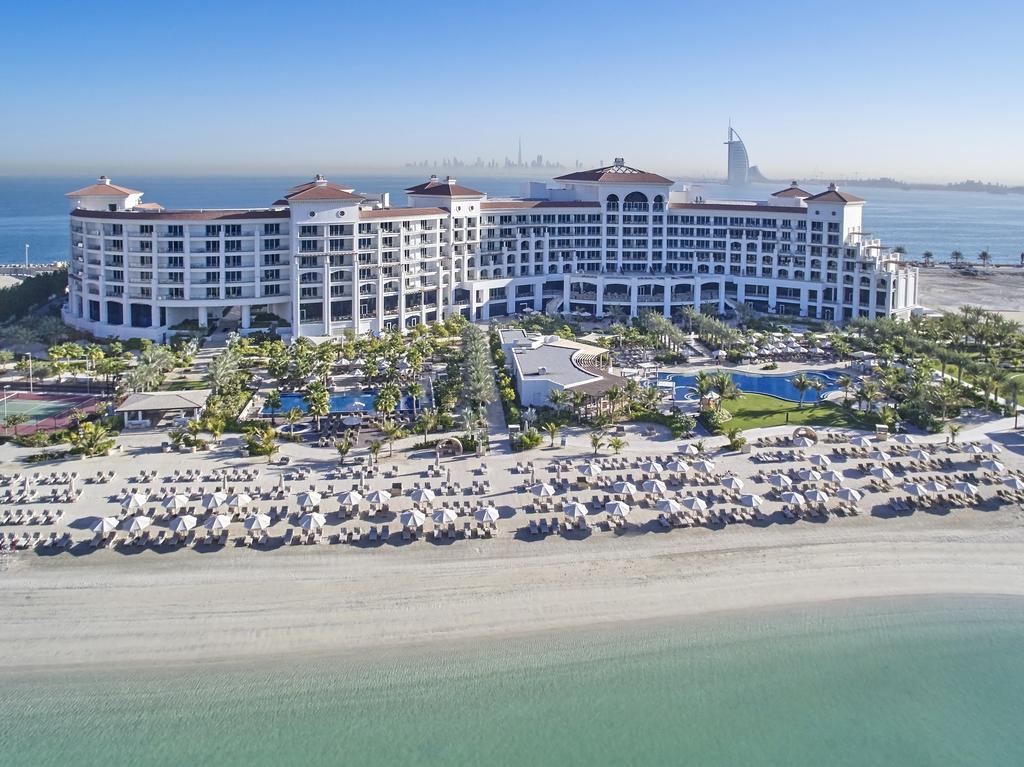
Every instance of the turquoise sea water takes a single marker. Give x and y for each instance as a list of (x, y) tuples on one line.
[(908, 682)]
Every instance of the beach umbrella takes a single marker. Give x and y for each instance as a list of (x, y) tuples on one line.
[(490, 514), (689, 449), (992, 448), (349, 498), (695, 504), (308, 499), (313, 521), (542, 490), (966, 488), (732, 483), (905, 439), (105, 525), (183, 524), (809, 475), (832, 476), (719, 353), (624, 488), (351, 421), (994, 466), (803, 442), (176, 502), (668, 505), (590, 470), (704, 467), (655, 486), (135, 501), (793, 499), (920, 455), (617, 509), (821, 461), (574, 510), (1014, 483), (214, 500), (817, 496), (916, 490), (752, 501), (881, 472), (849, 494), (652, 467), (421, 495), (445, 516), (138, 524), (861, 442), (974, 449), (680, 467), (780, 481), (881, 455), (412, 518), (378, 497), (217, 522), (257, 522), (932, 486), (239, 500)]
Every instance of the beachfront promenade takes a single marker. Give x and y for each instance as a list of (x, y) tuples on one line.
[(143, 500)]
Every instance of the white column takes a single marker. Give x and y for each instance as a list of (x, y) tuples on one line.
[(666, 305), (599, 297), (246, 317)]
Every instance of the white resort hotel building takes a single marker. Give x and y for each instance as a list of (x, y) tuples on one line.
[(610, 241)]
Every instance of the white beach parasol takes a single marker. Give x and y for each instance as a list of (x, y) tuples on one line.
[(752, 501), (904, 439), (138, 524), (881, 455), (412, 518), (832, 476), (183, 524), (135, 501), (176, 502), (821, 461), (105, 525), (993, 466), (590, 470), (652, 467), (349, 498), (920, 455), (780, 481), (881, 472), (617, 509), (695, 504), (966, 488), (214, 500), (861, 442), (816, 496), (378, 497), (809, 475), (217, 522), (934, 486), (732, 483), (421, 495), (704, 467), (313, 521), (239, 500), (915, 490), (624, 488), (689, 449), (680, 467), (574, 510), (445, 516), (542, 490), (793, 499), (803, 442), (655, 486), (668, 505), (308, 499), (1014, 483), (490, 514), (257, 522), (849, 494)]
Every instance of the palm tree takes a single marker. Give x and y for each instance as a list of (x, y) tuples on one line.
[(415, 391), (984, 257), (845, 383), (558, 397), (736, 439), (427, 422), (954, 430), (818, 386), (222, 370), (597, 441), (928, 256), (374, 448), (91, 438), (318, 402), (801, 383), (293, 416), (262, 440), (343, 446), (391, 432), (614, 397), (274, 403), (957, 257), (617, 444), (215, 425), (552, 429)]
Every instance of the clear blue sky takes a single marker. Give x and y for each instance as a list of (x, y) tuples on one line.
[(920, 90)]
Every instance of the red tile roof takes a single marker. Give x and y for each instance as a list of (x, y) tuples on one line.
[(832, 194), (618, 173), (727, 207), (791, 191), (510, 204), (403, 212), (321, 190), (447, 188), (103, 188), (182, 215)]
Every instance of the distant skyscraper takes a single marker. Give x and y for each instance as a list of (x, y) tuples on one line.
[(739, 162), (519, 159)]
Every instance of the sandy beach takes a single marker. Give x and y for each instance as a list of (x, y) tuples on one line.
[(997, 288), (240, 606)]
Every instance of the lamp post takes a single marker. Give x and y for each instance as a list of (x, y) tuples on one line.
[(29, 358), (7, 389)]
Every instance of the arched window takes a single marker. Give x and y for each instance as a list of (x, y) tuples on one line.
[(636, 197), (635, 201), (612, 202)]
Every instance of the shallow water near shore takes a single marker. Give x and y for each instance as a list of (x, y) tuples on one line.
[(911, 682)]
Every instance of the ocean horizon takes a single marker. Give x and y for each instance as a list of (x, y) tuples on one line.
[(33, 210), (909, 681)]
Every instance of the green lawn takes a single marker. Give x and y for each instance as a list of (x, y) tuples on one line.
[(756, 411), (1005, 391)]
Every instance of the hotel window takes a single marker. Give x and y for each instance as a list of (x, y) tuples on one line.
[(213, 230), (233, 230), (232, 246), (271, 290), (146, 229), (233, 292), (271, 229), (212, 246), (271, 244), (307, 231), (234, 261)]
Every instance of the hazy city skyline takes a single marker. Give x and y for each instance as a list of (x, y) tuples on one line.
[(915, 91)]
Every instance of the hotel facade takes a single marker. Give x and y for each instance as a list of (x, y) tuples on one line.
[(614, 241)]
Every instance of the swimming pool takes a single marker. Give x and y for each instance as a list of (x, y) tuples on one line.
[(341, 403), (780, 386)]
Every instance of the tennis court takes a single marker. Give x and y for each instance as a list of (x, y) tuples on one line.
[(44, 411)]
